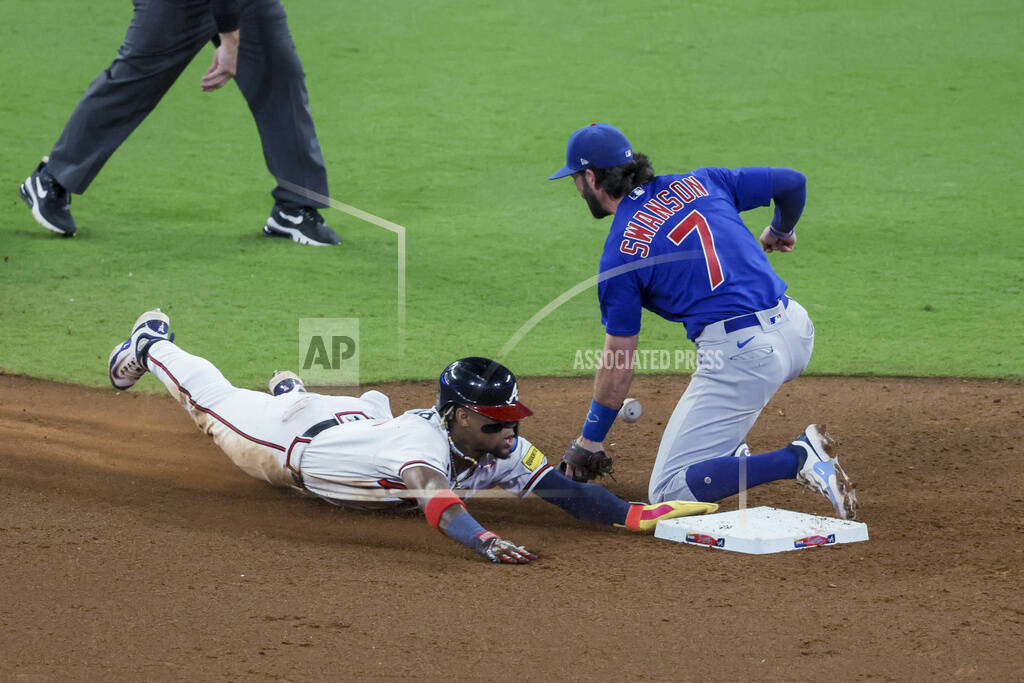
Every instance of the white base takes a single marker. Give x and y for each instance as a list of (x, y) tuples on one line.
[(761, 530)]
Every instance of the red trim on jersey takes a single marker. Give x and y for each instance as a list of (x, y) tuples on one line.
[(288, 456), (535, 478), (200, 408), (385, 484), (340, 416), (421, 463), (441, 501)]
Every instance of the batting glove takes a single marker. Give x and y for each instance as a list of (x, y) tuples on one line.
[(644, 518), (497, 549)]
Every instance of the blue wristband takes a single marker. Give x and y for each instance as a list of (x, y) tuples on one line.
[(785, 236), (599, 421), (465, 530)]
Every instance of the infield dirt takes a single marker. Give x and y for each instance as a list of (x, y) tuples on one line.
[(132, 549)]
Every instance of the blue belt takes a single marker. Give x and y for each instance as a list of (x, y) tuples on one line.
[(749, 320)]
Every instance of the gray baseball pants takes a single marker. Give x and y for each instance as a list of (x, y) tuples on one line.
[(737, 374), (164, 36)]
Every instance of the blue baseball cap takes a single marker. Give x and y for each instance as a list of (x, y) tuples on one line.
[(599, 145)]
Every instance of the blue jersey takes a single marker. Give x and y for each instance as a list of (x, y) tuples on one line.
[(678, 247)]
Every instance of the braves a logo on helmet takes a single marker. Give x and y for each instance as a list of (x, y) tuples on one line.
[(514, 396)]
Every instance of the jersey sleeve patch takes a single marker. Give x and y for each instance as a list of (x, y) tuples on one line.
[(533, 458)]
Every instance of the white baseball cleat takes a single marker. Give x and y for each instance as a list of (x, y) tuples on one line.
[(128, 359), (821, 472)]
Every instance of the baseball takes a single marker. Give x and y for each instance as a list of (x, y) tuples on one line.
[(631, 410)]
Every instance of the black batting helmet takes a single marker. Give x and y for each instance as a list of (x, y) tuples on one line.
[(482, 385)]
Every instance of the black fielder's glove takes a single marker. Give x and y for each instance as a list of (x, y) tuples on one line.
[(587, 464)]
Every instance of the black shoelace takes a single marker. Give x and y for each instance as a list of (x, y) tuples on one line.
[(308, 213)]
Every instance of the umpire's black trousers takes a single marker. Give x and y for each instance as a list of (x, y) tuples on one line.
[(164, 36)]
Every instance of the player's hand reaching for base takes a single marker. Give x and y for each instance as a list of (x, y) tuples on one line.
[(446, 512), (497, 549), (770, 241), (644, 518)]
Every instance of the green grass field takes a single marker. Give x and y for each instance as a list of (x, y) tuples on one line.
[(447, 117)]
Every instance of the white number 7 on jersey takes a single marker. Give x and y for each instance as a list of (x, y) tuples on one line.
[(696, 221)]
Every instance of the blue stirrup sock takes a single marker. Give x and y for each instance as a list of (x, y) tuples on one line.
[(719, 478), (589, 502)]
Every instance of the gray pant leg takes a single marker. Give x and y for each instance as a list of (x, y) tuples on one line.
[(726, 396), (710, 420), (271, 78), (161, 40)]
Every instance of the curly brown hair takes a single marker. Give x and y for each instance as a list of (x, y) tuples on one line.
[(618, 180)]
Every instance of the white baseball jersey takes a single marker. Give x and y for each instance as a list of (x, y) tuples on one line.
[(360, 464), (256, 430)]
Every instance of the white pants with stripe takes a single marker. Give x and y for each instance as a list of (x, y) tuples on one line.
[(256, 430), (737, 374)]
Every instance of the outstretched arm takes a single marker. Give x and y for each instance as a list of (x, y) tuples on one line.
[(446, 512), (593, 503)]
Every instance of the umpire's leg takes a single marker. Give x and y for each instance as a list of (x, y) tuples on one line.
[(271, 78), (161, 40)]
